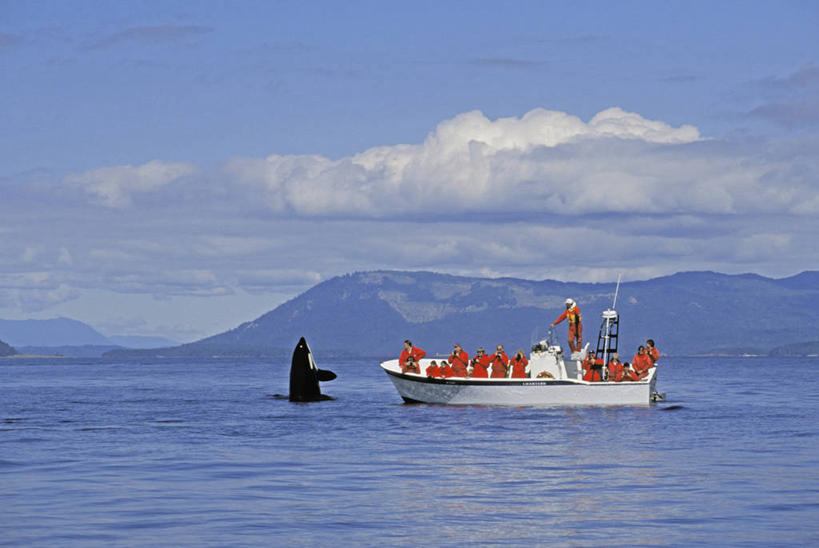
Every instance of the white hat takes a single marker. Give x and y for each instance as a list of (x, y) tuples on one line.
[(569, 302)]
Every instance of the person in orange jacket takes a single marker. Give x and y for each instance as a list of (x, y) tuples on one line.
[(446, 370), (640, 365), (594, 368), (519, 363), (459, 360), (499, 363), (587, 362), (652, 351), (411, 366), (433, 369), (479, 364), (572, 315), (411, 352), (616, 370)]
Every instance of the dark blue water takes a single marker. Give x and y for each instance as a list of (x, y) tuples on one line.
[(179, 452)]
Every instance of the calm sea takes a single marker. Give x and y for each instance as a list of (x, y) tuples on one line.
[(182, 452)]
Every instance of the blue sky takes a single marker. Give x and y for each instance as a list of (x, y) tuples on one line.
[(176, 168)]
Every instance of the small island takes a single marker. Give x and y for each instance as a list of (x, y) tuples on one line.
[(7, 350)]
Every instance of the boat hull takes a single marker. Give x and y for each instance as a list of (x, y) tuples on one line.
[(530, 392)]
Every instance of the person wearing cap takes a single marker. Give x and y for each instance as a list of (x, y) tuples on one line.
[(499, 363), (411, 352), (479, 364), (459, 360), (572, 315), (519, 363)]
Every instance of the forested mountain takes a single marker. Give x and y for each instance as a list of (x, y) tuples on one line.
[(371, 313)]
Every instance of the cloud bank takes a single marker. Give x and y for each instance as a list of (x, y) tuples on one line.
[(545, 160), (546, 195), (114, 186)]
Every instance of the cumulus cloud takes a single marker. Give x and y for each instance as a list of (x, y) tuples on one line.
[(34, 291), (114, 186), (544, 160)]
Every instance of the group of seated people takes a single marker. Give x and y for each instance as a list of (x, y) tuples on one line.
[(645, 359), (481, 366), (498, 365)]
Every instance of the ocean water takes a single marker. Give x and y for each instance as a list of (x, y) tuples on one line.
[(203, 452)]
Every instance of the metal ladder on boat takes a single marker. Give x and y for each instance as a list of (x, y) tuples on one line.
[(608, 335)]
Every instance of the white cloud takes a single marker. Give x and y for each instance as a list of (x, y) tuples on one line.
[(615, 122), (545, 161), (30, 254), (114, 186), (64, 257), (546, 195), (34, 291), (226, 246)]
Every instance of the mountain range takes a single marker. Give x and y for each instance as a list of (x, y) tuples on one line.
[(371, 313), (68, 337)]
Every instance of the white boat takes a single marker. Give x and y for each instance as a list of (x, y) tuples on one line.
[(562, 390), (552, 381)]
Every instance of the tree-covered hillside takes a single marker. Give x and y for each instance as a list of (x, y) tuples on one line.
[(371, 313)]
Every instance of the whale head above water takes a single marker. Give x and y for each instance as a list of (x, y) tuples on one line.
[(305, 376)]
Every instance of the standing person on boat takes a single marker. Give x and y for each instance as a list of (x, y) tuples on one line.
[(616, 369), (479, 364), (411, 352), (459, 360), (572, 315), (652, 351), (499, 362), (640, 365), (519, 363)]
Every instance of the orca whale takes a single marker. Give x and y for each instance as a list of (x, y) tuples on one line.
[(305, 376)]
